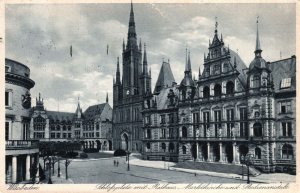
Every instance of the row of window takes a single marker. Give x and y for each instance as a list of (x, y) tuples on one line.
[(91, 134), (58, 135), (218, 90), (172, 118), (58, 127), (127, 115)]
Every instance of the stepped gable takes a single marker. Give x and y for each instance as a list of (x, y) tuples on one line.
[(165, 77), (281, 69)]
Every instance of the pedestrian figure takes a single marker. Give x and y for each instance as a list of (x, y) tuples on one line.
[(114, 162), (117, 163)]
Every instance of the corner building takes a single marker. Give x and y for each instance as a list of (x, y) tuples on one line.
[(230, 111), (128, 92)]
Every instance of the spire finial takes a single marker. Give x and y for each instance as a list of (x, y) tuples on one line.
[(216, 25), (258, 49), (39, 96), (106, 97)]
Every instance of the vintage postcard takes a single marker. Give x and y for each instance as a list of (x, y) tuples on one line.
[(133, 96)]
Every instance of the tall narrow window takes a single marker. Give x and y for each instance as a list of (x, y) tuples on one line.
[(206, 122), (8, 98), (257, 130), (255, 81), (7, 125), (217, 116), (230, 122), (243, 122), (286, 129)]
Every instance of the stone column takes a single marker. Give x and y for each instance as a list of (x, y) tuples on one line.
[(197, 151), (28, 165), (8, 171), (37, 177), (14, 169), (208, 152), (233, 152), (221, 152)]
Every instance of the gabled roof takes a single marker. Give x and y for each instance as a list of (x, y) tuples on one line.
[(97, 110), (165, 77), (60, 116), (281, 69), (162, 98), (240, 66)]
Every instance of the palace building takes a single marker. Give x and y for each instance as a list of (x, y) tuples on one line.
[(92, 128), (231, 111)]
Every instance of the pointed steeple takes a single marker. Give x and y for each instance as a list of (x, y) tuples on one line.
[(118, 72), (258, 49), (78, 110), (131, 41), (140, 46), (188, 65), (199, 75), (106, 97), (145, 64)]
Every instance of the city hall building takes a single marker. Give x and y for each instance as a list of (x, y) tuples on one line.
[(231, 110)]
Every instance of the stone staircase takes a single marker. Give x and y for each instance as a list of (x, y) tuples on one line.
[(218, 167)]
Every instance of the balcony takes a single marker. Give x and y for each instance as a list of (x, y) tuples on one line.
[(21, 144)]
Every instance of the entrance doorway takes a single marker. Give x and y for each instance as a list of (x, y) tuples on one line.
[(229, 153)]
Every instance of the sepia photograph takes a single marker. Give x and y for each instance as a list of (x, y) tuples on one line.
[(150, 95)]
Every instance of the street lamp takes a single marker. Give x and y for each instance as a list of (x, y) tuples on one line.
[(248, 161), (128, 167), (242, 162), (58, 168)]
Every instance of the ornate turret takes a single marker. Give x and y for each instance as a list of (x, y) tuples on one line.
[(39, 103), (78, 112)]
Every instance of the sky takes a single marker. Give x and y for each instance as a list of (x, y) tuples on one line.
[(40, 37)]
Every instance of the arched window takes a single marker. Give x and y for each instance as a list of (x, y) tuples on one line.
[(255, 81), (171, 147), (163, 146), (39, 123), (148, 145), (257, 129), (184, 132), (218, 90), (58, 127), (206, 92), (183, 150), (229, 88), (257, 153), (64, 127), (287, 152)]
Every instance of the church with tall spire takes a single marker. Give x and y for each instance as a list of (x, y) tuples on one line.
[(129, 90)]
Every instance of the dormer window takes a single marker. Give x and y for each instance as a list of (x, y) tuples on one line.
[(7, 69), (285, 83), (216, 69), (255, 82)]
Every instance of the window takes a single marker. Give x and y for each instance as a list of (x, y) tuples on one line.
[(171, 118), (206, 93), (148, 145), (39, 123), (196, 118), (57, 135), (64, 135), (285, 106), (162, 119), (58, 127), (218, 90), (163, 133), (171, 147), (163, 146), (230, 122), (216, 69), (52, 127), (171, 133), (38, 135), (52, 135), (7, 68), (69, 127), (257, 153), (8, 98), (64, 127), (257, 130), (287, 152), (183, 150), (286, 129), (255, 81), (97, 134), (69, 135), (148, 134), (285, 83), (7, 127), (243, 122), (147, 120), (184, 132), (229, 88), (225, 67), (206, 122), (207, 72), (217, 121)]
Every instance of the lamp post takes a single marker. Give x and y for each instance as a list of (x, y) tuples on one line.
[(242, 162), (58, 168), (248, 160), (128, 167)]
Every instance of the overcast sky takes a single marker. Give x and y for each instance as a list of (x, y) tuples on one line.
[(40, 36)]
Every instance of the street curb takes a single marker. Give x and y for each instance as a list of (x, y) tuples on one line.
[(94, 159)]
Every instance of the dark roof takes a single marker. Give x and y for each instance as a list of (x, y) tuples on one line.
[(165, 77), (240, 66), (281, 69), (98, 110), (162, 97), (61, 116)]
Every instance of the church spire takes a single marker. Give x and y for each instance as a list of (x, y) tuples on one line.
[(145, 64), (118, 72), (258, 49), (188, 64), (131, 41)]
